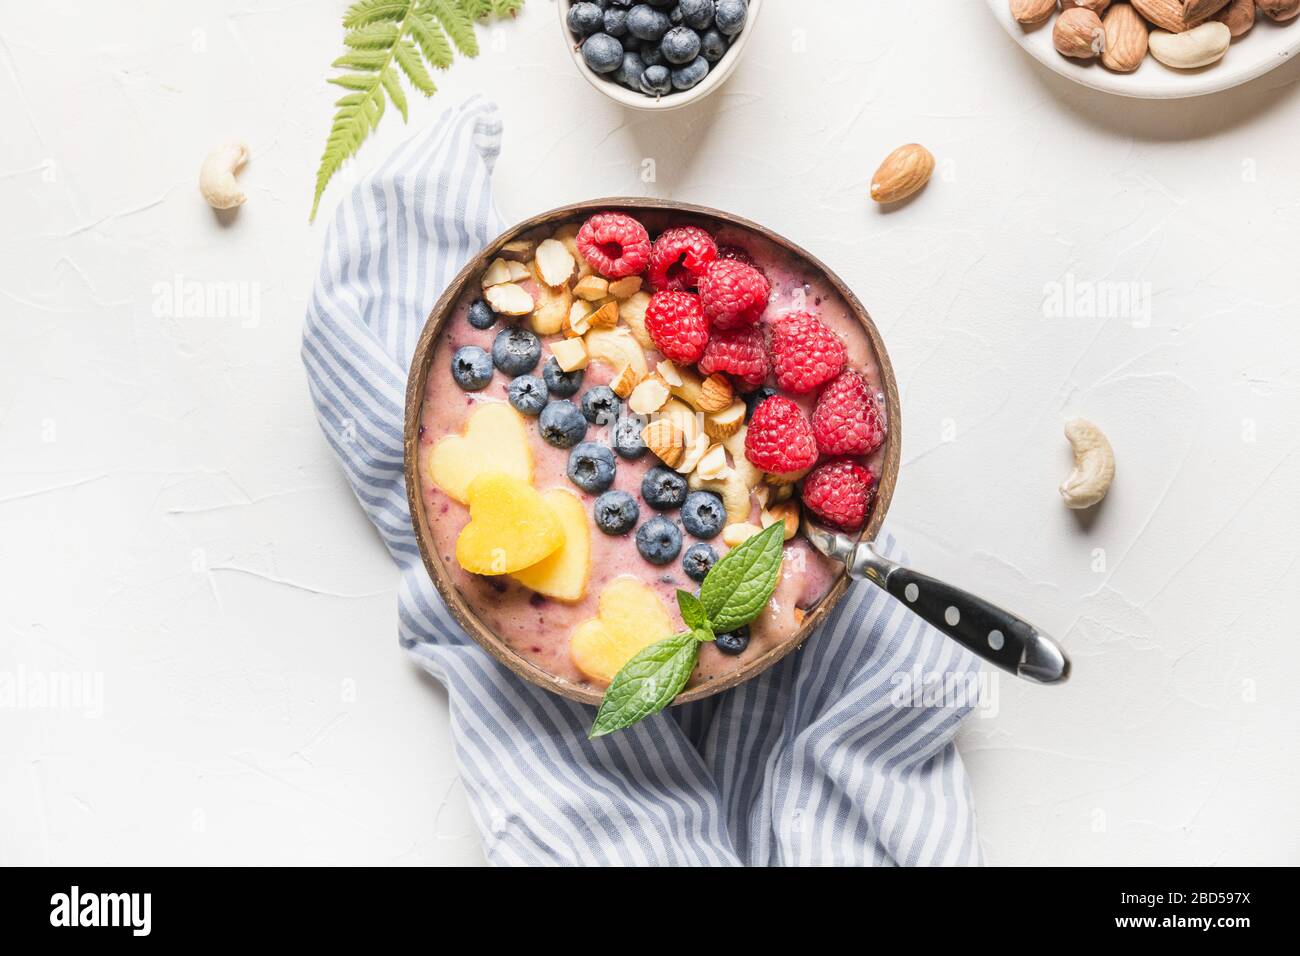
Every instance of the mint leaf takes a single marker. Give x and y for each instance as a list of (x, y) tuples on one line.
[(738, 587), (647, 683), (693, 613), (704, 634)]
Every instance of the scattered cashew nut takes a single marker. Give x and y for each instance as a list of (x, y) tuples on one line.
[(1094, 465), (217, 177)]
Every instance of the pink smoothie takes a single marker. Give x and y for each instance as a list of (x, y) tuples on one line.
[(538, 628)]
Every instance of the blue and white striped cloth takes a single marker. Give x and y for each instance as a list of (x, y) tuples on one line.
[(813, 762)]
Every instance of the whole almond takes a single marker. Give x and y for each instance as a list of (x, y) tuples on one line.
[(1279, 9), (715, 394), (1078, 33), (1096, 6), (1238, 16), (902, 174), (1126, 39), (1029, 12), (1171, 15), (1195, 10)]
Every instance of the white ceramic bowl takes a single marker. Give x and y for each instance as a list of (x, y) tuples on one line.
[(1266, 47), (676, 100)]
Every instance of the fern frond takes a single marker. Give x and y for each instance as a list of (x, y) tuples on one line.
[(372, 11), (385, 40), (456, 22)]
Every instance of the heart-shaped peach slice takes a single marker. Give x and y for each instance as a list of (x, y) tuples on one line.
[(510, 526), (630, 618), (495, 440), (563, 575)]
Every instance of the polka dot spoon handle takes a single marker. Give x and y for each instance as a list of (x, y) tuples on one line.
[(984, 629)]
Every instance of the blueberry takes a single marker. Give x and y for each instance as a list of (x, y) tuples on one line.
[(697, 561), (481, 315), (561, 424), (703, 514), (602, 53), (527, 394), (591, 467), (646, 23), (697, 14), (600, 405), (471, 368), (730, 16), (735, 642), (652, 53), (684, 77), (663, 489), (680, 45), (515, 350), (585, 19), (616, 512), (658, 540), (675, 15), (627, 439), (616, 22), (629, 74), (560, 383), (713, 45), (755, 398), (656, 81)]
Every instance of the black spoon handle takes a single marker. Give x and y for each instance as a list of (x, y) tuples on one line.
[(984, 629)]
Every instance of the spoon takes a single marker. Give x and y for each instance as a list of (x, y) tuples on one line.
[(984, 629)]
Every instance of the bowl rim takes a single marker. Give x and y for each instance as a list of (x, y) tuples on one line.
[(1224, 75), (417, 381), (673, 101)]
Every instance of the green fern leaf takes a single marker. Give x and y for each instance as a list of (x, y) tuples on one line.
[(372, 11), (506, 8), (408, 58), (457, 24), (433, 43), (362, 60), (476, 9), (389, 79), (364, 82), (373, 36)]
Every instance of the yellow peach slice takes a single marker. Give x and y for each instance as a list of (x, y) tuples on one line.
[(494, 439), (631, 618), (563, 575), (511, 526)]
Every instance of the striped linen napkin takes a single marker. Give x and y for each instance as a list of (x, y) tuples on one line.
[(813, 762)]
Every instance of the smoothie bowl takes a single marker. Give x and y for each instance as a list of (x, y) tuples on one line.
[(613, 396)]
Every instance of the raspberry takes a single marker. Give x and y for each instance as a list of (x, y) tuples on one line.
[(779, 439), (739, 353), (846, 420), (676, 323), (734, 294), (804, 352), (679, 257), (616, 245), (839, 493)]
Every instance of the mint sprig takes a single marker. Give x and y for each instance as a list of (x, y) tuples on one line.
[(734, 592)]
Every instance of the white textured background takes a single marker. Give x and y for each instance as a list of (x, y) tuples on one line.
[(170, 517)]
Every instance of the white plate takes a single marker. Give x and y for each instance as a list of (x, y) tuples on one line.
[(638, 101), (1264, 48)]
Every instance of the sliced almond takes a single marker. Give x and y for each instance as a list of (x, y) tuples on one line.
[(591, 288), (605, 317), (579, 319), (496, 273), (714, 463), (685, 417), (570, 354), (509, 299), (568, 236), (649, 396), (625, 288), (787, 511), (694, 452), (737, 534), (626, 381), (716, 393), (632, 312), (518, 271), (552, 310), (665, 440), (669, 373), (555, 263), (519, 250), (727, 422)]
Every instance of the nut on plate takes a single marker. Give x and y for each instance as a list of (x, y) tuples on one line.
[(1094, 465), (1078, 33), (1126, 39), (1031, 12), (903, 173), (1239, 16), (1279, 9), (1197, 47)]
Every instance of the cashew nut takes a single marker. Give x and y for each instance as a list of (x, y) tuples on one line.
[(217, 177), (1094, 465)]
